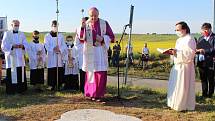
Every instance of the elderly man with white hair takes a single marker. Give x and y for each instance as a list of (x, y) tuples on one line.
[(97, 35), (13, 45)]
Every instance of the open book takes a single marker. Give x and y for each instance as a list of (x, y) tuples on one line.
[(164, 51)]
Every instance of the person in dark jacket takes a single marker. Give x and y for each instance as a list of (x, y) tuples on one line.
[(116, 53), (109, 56), (206, 54)]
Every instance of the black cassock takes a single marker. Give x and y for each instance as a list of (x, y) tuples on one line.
[(37, 76), (52, 77), (20, 86)]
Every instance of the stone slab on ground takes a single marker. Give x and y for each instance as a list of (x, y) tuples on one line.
[(94, 115)]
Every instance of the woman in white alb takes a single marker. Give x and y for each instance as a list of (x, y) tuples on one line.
[(181, 86)]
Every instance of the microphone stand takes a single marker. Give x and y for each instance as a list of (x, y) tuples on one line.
[(129, 43), (123, 33), (128, 49)]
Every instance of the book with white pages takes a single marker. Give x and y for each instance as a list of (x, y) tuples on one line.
[(163, 50)]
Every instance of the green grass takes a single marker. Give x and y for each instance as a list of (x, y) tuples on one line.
[(155, 70), (141, 102)]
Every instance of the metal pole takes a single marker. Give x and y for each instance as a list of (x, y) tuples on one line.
[(129, 42), (127, 59), (123, 33), (6, 24), (57, 12)]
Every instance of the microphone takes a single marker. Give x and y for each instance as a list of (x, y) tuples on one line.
[(127, 25), (131, 16)]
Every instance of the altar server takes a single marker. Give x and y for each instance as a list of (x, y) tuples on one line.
[(37, 59), (14, 45), (71, 66), (54, 56)]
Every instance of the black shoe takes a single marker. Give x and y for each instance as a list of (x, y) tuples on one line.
[(38, 90), (205, 95), (210, 95), (183, 111), (52, 89)]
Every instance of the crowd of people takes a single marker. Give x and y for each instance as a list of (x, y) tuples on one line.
[(85, 55), (114, 55), (88, 55)]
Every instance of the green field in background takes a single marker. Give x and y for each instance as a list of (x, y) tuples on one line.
[(138, 40)]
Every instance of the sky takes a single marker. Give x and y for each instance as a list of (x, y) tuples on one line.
[(150, 16)]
